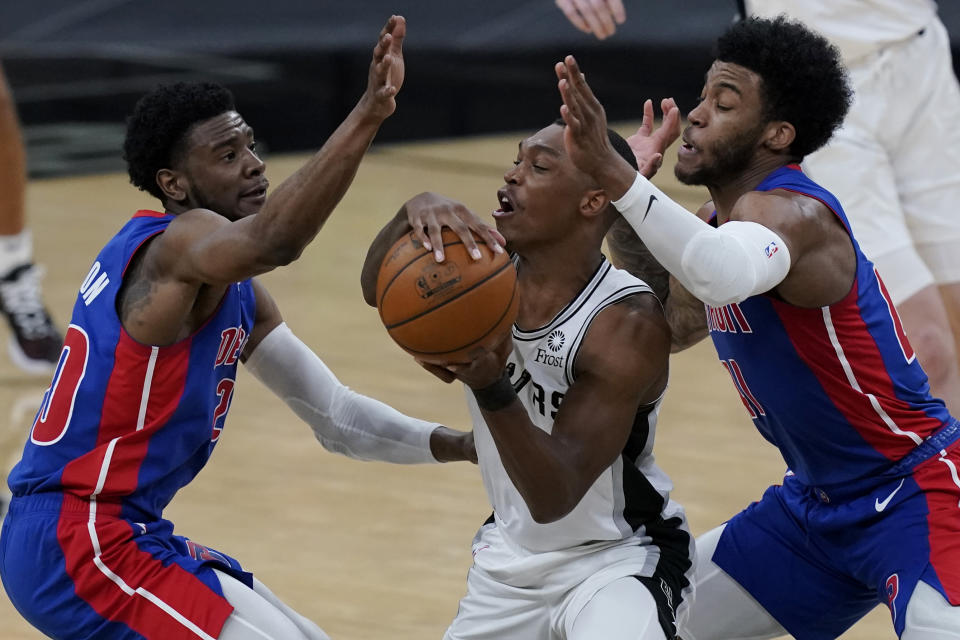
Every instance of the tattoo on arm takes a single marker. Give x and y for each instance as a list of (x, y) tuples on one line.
[(686, 317), (629, 253)]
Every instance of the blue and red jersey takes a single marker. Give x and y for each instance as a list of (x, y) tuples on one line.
[(837, 389), (127, 423)]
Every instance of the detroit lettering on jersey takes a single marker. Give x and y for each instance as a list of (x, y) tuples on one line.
[(727, 319)]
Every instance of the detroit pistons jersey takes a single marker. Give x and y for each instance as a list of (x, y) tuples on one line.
[(837, 389), (127, 423), (632, 492)]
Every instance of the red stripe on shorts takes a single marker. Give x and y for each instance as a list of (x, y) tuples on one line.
[(936, 478), (131, 586)]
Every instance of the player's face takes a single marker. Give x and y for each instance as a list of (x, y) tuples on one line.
[(222, 169), (725, 128), (543, 190)]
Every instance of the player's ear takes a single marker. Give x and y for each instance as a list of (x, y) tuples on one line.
[(780, 134), (172, 183), (593, 202)]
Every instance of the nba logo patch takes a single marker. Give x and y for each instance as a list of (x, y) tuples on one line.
[(771, 249)]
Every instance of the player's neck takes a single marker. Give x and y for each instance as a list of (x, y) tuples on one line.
[(725, 195), (548, 285)]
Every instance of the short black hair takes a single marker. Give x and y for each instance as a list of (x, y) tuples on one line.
[(161, 121), (804, 81), (616, 141)]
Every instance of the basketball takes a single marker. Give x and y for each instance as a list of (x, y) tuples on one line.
[(446, 312)]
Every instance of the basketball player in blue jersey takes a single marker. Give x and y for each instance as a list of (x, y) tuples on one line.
[(584, 542), (146, 377), (869, 511)]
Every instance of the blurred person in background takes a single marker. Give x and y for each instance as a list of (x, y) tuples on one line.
[(895, 162), (35, 343), (599, 17)]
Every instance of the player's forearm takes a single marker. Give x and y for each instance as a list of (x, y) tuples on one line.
[(342, 420), (298, 208), (717, 265), (540, 467), (686, 317)]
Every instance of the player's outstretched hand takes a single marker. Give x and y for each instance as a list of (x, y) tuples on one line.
[(599, 17), (585, 135), (428, 213), (386, 74), (648, 144)]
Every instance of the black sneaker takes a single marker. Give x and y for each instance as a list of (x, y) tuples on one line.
[(35, 343)]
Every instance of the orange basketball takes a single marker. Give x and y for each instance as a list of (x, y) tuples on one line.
[(448, 311)]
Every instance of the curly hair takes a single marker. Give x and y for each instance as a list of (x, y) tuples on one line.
[(160, 123), (803, 79)]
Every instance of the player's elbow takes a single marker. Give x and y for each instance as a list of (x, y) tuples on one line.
[(553, 509), (280, 255), (730, 264)]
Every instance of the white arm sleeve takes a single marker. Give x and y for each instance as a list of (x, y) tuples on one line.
[(344, 421), (717, 265)]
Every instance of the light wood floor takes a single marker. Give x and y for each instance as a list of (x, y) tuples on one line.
[(370, 550)]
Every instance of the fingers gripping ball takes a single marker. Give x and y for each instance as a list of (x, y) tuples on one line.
[(448, 311)]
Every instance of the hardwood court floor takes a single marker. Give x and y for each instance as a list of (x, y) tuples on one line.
[(370, 550)]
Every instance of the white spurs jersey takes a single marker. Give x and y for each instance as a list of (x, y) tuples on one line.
[(857, 27), (632, 492)]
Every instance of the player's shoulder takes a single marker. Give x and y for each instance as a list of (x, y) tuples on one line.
[(778, 205), (634, 324)]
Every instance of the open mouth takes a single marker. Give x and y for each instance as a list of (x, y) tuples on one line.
[(506, 204), (258, 192)]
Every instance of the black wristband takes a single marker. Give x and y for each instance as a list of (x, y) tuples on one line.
[(496, 396)]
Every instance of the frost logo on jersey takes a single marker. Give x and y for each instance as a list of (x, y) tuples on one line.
[(893, 590), (727, 319), (232, 341), (555, 340)]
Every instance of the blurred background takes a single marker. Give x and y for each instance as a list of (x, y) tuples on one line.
[(474, 66)]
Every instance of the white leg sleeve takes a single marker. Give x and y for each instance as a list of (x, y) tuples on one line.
[(721, 608), (717, 265), (255, 617), (930, 616), (343, 421), (622, 610)]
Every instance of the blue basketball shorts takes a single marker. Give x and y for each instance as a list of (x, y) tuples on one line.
[(819, 561), (75, 569)]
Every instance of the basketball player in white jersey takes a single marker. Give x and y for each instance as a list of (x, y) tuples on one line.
[(584, 542), (895, 163)]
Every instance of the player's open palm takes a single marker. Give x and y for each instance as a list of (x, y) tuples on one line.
[(649, 143), (585, 134), (386, 69)]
